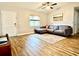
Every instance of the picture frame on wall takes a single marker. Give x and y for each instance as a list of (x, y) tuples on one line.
[(58, 17)]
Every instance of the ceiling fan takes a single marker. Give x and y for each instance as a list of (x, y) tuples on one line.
[(47, 4)]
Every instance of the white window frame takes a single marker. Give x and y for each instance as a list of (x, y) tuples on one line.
[(35, 19)]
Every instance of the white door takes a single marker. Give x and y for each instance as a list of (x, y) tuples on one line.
[(9, 23)]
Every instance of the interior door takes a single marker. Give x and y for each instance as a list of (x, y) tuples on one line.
[(9, 23)]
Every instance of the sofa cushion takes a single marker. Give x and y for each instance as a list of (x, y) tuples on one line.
[(50, 30), (59, 31), (62, 27), (54, 27)]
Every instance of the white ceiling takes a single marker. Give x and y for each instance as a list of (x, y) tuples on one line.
[(28, 5)]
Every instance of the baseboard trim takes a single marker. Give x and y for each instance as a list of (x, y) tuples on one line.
[(24, 33)]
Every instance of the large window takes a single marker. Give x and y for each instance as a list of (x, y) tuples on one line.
[(34, 21)]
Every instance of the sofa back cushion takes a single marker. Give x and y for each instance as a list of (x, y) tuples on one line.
[(54, 27), (63, 27)]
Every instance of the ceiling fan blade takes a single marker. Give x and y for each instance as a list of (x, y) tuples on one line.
[(47, 2), (51, 7), (54, 4), (43, 7)]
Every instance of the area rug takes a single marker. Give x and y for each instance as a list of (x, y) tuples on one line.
[(50, 38)]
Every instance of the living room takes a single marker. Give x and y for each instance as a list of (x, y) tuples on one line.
[(32, 28)]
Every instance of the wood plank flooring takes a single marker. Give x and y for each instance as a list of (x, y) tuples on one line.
[(21, 46)]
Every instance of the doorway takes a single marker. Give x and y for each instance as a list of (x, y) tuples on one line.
[(9, 23)]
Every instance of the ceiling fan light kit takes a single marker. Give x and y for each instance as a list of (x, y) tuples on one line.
[(48, 4)]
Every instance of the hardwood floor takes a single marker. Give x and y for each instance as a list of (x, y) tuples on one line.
[(21, 46)]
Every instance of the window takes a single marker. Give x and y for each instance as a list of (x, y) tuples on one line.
[(34, 21)]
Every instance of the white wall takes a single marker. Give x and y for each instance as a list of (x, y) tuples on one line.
[(23, 20), (67, 16)]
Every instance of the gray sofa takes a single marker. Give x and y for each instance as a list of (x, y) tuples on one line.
[(63, 30)]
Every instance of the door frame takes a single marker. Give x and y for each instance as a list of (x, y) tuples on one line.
[(76, 18)]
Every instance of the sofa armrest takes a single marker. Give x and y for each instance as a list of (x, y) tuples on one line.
[(68, 32), (43, 27)]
